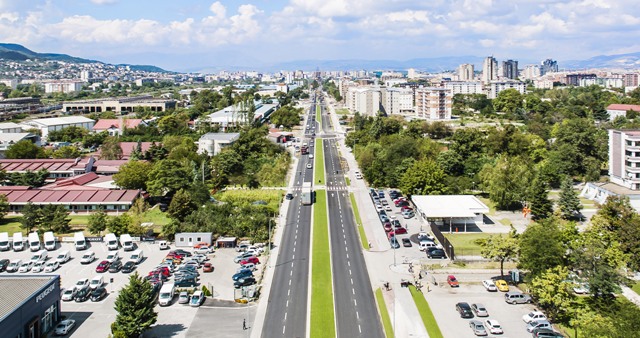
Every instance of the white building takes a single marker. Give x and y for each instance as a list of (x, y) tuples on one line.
[(8, 139), (496, 87), (624, 158), (543, 84), (615, 110), (433, 103), (213, 143), (602, 81), (489, 70), (397, 101), (456, 211), (58, 123), (10, 128), (530, 72), (67, 86), (465, 72), (365, 100), (11, 83), (463, 87)]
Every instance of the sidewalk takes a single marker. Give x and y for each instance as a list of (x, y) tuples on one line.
[(403, 312), (631, 295)]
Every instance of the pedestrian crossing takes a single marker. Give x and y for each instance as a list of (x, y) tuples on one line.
[(328, 188)]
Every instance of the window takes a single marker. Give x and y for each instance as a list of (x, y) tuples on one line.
[(181, 239), (198, 239)]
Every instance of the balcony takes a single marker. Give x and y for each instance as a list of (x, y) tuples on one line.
[(632, 169), (632, 158)]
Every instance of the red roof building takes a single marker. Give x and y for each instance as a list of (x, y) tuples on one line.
[(615, 110), (115, 126)]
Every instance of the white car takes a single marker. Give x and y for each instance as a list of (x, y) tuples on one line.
[(82, 283), (68, 294), (25, 267), (203, 250), (309, 165), (493, 326), (38, 266), (489, 285), (200, 258), (310, 155), (581, 288), (64, 327), (51, 266), (112, 256), (358, 175), (14, 265), (388, 208), (534, 316)]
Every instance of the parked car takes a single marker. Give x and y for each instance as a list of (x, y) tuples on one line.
[(387, 226), (196, 299), (98, 294), (425, 236), (252, 259), (400, 230), (82, 283), (3, 264), (115, 266), (38, 266), (51, 266), (394, 242), (479, 310), (502, 285), (25, 266), (128, 267), (82, 295), (533, 316), (103, 266), (241, 257), (489, 285), (464, 310), (452, 281), (64, 327), (493, 326), (246, 281), (14, 265), (546, 333), (387, 208), (183, 298), (406, 242), (538, 324), (408, 214), (477, 328), (517, 297), (436, 253), (68, 294), (242, 274)]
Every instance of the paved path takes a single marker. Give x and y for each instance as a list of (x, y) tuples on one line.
[(631, 295)]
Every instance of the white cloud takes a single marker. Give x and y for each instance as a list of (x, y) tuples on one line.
[(218, 9), (333, 8), (104, 2)]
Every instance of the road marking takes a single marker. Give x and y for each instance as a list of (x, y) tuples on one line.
[(289, 292), (351, 280), (293, 256), (353, 291), (349, 263), (285, 314), (355, 301), (283, 328), (289, 282)]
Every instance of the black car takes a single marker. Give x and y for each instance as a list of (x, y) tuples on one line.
[(546, 333), (98, 294), (244, 282), (437, 253), (128, 267), (406, 242), (82, 295), (3, 264), (185, 283), (115, 266), (464, 310), (289, 196), (183, 252)]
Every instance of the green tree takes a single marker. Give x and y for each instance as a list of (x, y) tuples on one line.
[(66, 152), (24, 149), (553, 292), (97, 222), (110, 149), (500, 248), (54, 218), (135, 308), (541, 206), (4, 206), (508, 101), (167, 177), (133, 175), (119, 225), (31, 217), (69, 134), (424, 178), (507, 181), (541, 247), (181, 205), (286, 116), (569, 203)]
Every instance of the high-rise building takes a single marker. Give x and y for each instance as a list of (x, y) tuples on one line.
[(489, 70), (624, 158), (433, 103), (530, 72), (465, 72), (510, 69), (412, 74), (549, 66), (365, 100), (85, 75), (631, 80), (397, 100)]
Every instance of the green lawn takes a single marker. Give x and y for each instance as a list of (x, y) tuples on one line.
[(425, 312), (10, 224), (319, 162), (386, 320), (464, 244), (319, 116), (636, 287), (342, 111), (348, 181), (155, 216), (363, 235), (322, 314)]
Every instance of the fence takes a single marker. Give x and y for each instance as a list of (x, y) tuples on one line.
[(446, 245)]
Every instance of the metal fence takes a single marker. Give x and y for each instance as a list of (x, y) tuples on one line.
[(446, 245)]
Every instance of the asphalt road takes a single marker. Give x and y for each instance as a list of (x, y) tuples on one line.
[(286, 314), (355, 309)]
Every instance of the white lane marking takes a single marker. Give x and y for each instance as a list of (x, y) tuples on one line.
[(289, 282), (283, 328), (287, 306), (353, 291)]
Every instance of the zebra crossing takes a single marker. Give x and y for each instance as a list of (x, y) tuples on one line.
[(327, 187)]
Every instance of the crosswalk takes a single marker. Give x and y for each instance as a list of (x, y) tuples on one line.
[(328, 188)]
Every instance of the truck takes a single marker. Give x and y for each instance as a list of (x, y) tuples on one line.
[(307, 193), (79, 241), (127, 242), (166, 294), (304, 149), (34, 241), (112, 241), (49, 240), (4, 241)]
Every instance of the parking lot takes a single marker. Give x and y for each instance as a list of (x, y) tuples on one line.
[(95, 318)]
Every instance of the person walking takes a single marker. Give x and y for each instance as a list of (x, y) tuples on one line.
[(244, 324)]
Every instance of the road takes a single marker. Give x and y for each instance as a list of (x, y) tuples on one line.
[(355, 308), (286, 314)]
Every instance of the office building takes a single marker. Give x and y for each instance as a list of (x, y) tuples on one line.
[(510, 69), (530, 72), (549, 66), (433, 103), (489, 70), (397, 101), (465, 72)]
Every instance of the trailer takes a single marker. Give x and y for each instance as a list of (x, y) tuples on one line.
[(307, 193)]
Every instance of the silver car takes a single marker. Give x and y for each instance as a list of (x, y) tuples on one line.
[(51, 266), (479, 310), (38, 266), (478, 328), (68, 294), (64, 327), (183, 298)]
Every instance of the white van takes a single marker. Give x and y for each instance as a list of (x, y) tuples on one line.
[(63, 257), (34, 241), (49, 240), (18, 242), (166, 294), (127, 242), (96, 282), (4, 241), (137, 256), (112, 241), (164, 245), (80, 242), (112, 256), (88, 257), (39, 256)]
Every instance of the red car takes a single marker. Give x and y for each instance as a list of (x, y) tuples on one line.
[(452, 281), (207, 267), (406, 207), (163, 270), (252, 259), (175, 255), (387, 226), (402, 204), (103, 266), (400, 230)]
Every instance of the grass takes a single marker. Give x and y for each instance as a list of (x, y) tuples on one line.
[(464, 244), (322, 312), (425, 312), (384, 313), (319, 116), (636, 287), (348, 181), (363, 235), (241, 196), (505, 222), (342, 111), (319, 158), (10, 224), (489, 203), (155, 216)]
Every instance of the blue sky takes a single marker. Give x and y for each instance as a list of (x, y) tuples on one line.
[(192, 34)]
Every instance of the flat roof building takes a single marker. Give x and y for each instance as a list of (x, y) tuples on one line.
[(189, 239), (57, 123), (121, 104), (450, 209), (213, 143)]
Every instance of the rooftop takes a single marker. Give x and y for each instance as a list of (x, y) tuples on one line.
[(14, 290), (449, 206), (9, 125), (75, 196), (220, 136), (54, 121), (51, 165), (624, 107), (104, 124)]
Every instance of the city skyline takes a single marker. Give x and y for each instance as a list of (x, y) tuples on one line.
[(193, 34)]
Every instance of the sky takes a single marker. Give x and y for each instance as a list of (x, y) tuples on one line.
[(185, 35)]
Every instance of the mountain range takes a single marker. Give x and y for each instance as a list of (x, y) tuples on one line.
[(10, 51)]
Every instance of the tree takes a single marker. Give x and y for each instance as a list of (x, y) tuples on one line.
[(508, 101), (541, 206), (110, 149), (506, 181), (167, 177), (54, 218), (541, 247), (569, 203), (424, 178), (24, 149), (133, 175), (66, 152), (135, 308), (500, 248), (119, 225), (97, 222), (4, 206), (553, 292), (31, 217), (286, 116), (181, 205), (29, 178)]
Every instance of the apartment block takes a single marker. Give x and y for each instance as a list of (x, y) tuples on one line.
[(433, 103), (631, 80), (509, 69), (365, 100), (461, 87), (624, 158), (489, 70), (397, 100), (495, 87), (465, 72), (63, 87), (530, 72)]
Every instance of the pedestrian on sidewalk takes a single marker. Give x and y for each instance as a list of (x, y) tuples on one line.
[(369, 244), (244, 324)]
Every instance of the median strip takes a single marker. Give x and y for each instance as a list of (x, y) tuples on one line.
[(322, 311), (386, 320), (425, 312), (319, 116), (319, 165), (363, 235)]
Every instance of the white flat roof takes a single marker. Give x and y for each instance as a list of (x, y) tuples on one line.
[(54, 121), (449, 206)]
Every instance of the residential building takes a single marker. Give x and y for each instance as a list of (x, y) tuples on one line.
[(9, 139), (631, 80), (11, 83), (213, 143), (489, 70), (86, 75), (396, 101), (543, 84), (433, 103), (365, 100), (548, 66), (495, 87), (465, 72), (616, 110), (64, 86), (624, 158), (510, 69), (530, 72), (602, 81), (116, 126), (122, 104), (574, 79), (57, 123), (461, 87), (412, 74)]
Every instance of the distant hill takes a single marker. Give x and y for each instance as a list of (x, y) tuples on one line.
[(624, 61), (12, 51)]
